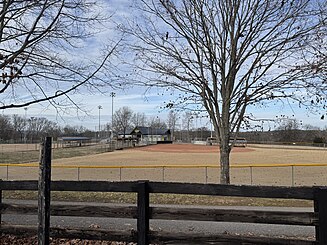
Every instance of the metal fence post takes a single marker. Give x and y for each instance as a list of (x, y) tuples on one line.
[(292, 175), (206, 174), (143, 213), (251, 175), (44, 193), (78, 173)]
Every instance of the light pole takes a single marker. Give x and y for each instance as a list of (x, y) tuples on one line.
[(99, 107), (112, 95), (25, 128), (210, 128), (25, 108)]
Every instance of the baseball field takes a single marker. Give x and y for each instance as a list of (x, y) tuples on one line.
[(254, 164)]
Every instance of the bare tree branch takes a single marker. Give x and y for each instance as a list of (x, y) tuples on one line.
[(224, 56), (42, 50)]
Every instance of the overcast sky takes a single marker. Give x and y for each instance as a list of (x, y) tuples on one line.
[(136, 98)]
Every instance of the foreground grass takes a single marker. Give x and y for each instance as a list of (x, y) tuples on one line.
[(102, 197), (19, 157)]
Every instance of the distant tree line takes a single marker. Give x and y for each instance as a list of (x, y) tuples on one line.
[(289, 131), (292, 136), (19, 129)]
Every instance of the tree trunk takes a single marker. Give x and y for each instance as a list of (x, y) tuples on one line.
[(225, 150), (224, 166)]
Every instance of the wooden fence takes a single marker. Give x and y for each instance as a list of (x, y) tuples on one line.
[(143, 212)]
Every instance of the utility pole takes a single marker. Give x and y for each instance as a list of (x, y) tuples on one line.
[(99, 107), (112, 95), (25, 128)]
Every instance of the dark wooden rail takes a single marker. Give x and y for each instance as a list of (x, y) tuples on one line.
[(143, 211)]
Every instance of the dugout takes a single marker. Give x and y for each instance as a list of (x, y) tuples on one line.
[(73, 141)]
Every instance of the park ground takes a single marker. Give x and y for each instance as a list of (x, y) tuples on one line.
[(268, 165), (254, 164)]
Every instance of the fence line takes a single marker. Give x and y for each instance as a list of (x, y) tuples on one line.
[(144, 211), (172, 165), (164, 170)]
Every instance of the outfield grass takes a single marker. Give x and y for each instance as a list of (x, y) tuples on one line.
[(19, 157), (27, 156)]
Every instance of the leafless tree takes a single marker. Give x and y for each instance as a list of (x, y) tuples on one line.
[(309, 127), (171, 122), (122, 119), (188, 124), (155, 123), (38, 127), (288, 130), (6, 128), (315, 56), (19, 125), (224, 56), (289, 124), (139, 119), (46, 50)]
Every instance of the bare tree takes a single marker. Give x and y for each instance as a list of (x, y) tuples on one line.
[(188, 125), (38, 127), (224, 56), (122, 119), (310, 127), (19, 125), (139, 119), (46, 50), (316, 52), (315, 56), (155, 123), (171, 122), (69, 130), (289, 124), (6, 128), (288, 130)]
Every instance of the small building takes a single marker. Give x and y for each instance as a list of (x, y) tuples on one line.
[(121, 135), (238, 142), (151, 135), (73, 141)]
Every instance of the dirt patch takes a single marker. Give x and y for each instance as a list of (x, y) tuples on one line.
[(188, 148)]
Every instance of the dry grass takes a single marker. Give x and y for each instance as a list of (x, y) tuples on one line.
[(171, 199), (155, 155), (26, 153)]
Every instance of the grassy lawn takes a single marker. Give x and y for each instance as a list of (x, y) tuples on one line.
[(58, 153), (159, 199), (19, 157)]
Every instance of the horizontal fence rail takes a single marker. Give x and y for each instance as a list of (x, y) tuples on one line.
[(143, 211), (195, 214), (306, 193)]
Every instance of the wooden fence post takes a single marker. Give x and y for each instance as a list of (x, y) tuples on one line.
[(0, 202), (320, 206), (44, 192), (142, 213)]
